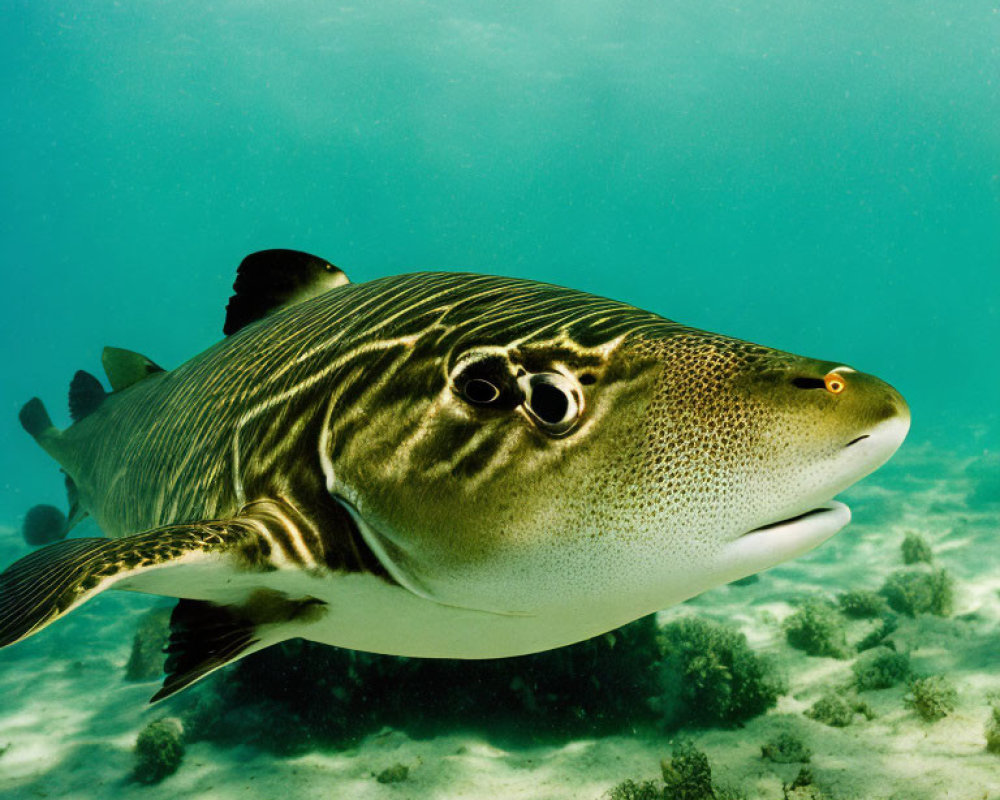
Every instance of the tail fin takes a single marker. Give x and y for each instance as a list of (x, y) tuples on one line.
[(35, 419)]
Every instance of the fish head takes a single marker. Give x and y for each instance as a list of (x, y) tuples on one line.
[(583, 457)]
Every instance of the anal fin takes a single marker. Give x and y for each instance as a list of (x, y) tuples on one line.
[(205, 636)]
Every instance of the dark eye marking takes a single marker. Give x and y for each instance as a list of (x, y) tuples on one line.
[(487, 381), (588, 379), (809, 383)]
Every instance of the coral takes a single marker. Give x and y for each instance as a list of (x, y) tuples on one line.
[(159, 750), (933, 698), (878, 635), (785, 748), (709, 675), (688, 775), (915, 549), (817, 629), (880, 669), (993, 726), (145, 663), (913, 592), (861, 604), (630, 790), (397, 773)]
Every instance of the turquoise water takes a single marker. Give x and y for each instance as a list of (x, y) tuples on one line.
[(818, 177)]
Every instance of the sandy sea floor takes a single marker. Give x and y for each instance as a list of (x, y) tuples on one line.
[(68, 721)]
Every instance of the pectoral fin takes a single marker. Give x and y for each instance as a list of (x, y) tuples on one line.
[(52, 581)]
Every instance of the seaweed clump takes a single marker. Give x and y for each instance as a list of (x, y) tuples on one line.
[(630, 790), (879, 634), (837, 711), (817, 629), (915, 549), (802, 788), (710, 676), (932, 698), (159, 750), (786, 748), (880, 669), (993, 726), (690, 671), (338, 696), (397, 773), (861, 604), (918, 592), (688, 775), (145, 662)]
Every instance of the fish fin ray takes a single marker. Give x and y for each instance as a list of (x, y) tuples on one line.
[(52, 581), (203, 638), (206, 636)]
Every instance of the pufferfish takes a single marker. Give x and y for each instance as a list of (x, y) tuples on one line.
[(439, 465)]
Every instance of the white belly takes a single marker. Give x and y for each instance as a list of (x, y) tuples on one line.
[(366, 613)]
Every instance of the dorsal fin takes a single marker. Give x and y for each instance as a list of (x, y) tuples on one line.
[(273, 279), (85, 395), (125, 367)]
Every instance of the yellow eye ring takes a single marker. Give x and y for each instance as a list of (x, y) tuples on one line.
[(834, 382)]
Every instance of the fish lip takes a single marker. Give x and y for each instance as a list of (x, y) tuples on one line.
[(802, 531), (824, 508), (771, 544)]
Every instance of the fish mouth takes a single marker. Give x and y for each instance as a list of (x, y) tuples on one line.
[(768, 545), (788, 523)]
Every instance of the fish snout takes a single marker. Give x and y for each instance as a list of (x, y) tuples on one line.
[(862, 411)]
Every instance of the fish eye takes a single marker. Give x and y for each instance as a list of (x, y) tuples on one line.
[(486, 379), (834, 383), (554, 402)]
